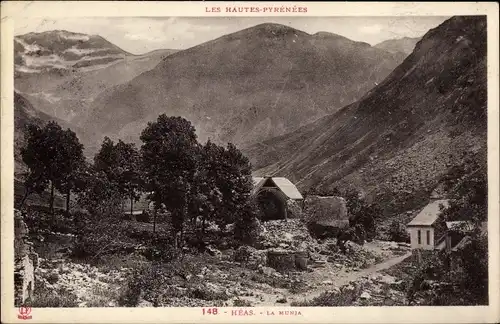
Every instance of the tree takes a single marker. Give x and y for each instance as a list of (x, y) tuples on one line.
[(52, 155), (106, 159), (169, 160), (467, 282), (34, 157), (207, 199), (234, 180), (120, 162), (362, 214), (247, 226), (72, 166), (128, 172), (100, 197)]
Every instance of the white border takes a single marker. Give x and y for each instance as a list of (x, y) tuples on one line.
[(13, 10)]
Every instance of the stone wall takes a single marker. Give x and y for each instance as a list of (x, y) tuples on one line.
[(25, 261)]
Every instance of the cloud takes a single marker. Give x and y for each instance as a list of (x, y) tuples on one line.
[(143, 34), (371, 29)]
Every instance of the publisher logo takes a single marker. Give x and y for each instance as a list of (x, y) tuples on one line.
[(24, 313)]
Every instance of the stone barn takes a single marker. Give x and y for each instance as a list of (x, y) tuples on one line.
[(274, 196), (325, 215)]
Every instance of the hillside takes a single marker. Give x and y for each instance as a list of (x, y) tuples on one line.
[(247, 86), (402, 136), (404, 45), (61, 72), (24, 114)]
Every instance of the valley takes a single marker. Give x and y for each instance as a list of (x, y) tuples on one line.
[(188, 177)]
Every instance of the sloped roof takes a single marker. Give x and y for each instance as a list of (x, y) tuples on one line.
[(429, 214), (257, 181), (285, 185), (463, 243), (288, 188)]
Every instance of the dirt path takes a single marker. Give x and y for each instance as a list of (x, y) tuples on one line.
[(338, 279), (345, 277)]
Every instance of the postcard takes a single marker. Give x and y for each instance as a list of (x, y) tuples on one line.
[(249, 162)]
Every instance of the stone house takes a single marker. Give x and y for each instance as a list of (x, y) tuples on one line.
[(274, 195), (424, 234)]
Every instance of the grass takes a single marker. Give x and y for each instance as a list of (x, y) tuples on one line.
[(346, 297), (103, 296), (43, 297), (242, 303)]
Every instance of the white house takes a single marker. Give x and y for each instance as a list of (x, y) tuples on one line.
[(421, 228)]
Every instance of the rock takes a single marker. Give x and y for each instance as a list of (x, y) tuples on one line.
[(145, 303), (348, 287), (281, 300), (268, 271), (213, 251), (365, 295), (327, 282), (319, 263), (25, 261)]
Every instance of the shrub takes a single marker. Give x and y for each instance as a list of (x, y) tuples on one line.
[(208, 294), (143, 217), (97, 238), (241, 303), (398, 233), (247, 227), (40, 220), (330, 299), (43, 297), (131, 293)]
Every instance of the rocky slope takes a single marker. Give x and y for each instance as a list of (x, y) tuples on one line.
[(404, 45), (247, 86), (402, 136), (61, 72)]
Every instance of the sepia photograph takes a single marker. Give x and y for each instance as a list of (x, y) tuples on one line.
[(250, 162)]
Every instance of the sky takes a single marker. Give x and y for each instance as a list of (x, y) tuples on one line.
[(139, 35)]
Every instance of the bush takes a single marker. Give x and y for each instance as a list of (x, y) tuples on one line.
[(131, 292), (247, 227), (242, 303), (43, 297), (144, 217), (398, 233), (40, 220), (207, 294), (98, 238), (330, 299)]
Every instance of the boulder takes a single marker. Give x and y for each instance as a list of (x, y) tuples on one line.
[(326, 210), (365, 295), (281, 260), (267, 271)]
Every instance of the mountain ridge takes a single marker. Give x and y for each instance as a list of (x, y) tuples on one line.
[(403, 135), (265, 74)]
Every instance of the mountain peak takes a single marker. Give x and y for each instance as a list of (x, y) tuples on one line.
[(272, 30)]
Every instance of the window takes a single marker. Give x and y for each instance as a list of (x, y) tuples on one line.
[(419, 235), (428, 237)]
